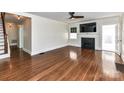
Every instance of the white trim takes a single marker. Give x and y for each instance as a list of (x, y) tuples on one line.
[(49, 49), (76, 45), (27, 51)]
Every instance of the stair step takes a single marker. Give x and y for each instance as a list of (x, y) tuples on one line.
[(1, 35), (1, 46), (1, 40), (1, 31), (2, 51), (2, 43)]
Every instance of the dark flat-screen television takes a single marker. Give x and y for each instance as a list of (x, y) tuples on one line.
[(89, 27)]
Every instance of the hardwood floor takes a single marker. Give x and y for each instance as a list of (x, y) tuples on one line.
[(67, 63)]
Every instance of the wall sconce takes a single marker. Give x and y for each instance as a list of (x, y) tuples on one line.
[(9, 25)]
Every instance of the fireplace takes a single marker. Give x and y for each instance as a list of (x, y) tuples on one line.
[(88, 43)]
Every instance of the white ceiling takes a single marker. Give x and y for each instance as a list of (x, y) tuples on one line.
[(63, 16), (14, 18)]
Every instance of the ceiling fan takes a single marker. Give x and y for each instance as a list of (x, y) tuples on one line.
[(72, 16)]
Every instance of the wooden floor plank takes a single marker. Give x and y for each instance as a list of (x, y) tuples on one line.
[(67, 63)]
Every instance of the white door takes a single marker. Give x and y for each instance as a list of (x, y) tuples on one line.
[(110, 38)]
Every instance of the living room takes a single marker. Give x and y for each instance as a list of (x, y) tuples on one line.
[(63, 46), (92, 40)]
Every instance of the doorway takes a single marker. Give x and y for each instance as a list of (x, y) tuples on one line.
[(110, 35), (18, 29)]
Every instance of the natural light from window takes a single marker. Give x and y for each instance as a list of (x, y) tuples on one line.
[(108, 37), (73, 35)]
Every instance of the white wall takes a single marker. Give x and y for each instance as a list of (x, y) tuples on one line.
[(123, 38), (46, 34), (27, 35), (97, 35)]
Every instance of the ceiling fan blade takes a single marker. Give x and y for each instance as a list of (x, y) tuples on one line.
[(72, 16), (78, 16)]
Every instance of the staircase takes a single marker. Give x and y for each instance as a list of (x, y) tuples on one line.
[(3, 37), (2, 47)]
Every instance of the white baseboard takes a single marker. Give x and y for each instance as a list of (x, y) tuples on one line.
[(27, 51), (13, 44), (48, 49), (76, 45)]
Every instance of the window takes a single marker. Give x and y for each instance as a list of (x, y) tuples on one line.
[(73, 33), (109, 37)]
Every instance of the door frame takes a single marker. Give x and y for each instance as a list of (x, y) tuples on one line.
[(118, 41)]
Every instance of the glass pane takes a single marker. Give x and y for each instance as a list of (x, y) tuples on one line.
[(108, 37), (73, 35)]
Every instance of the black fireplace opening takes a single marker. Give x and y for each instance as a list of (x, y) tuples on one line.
[(88, 43)]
